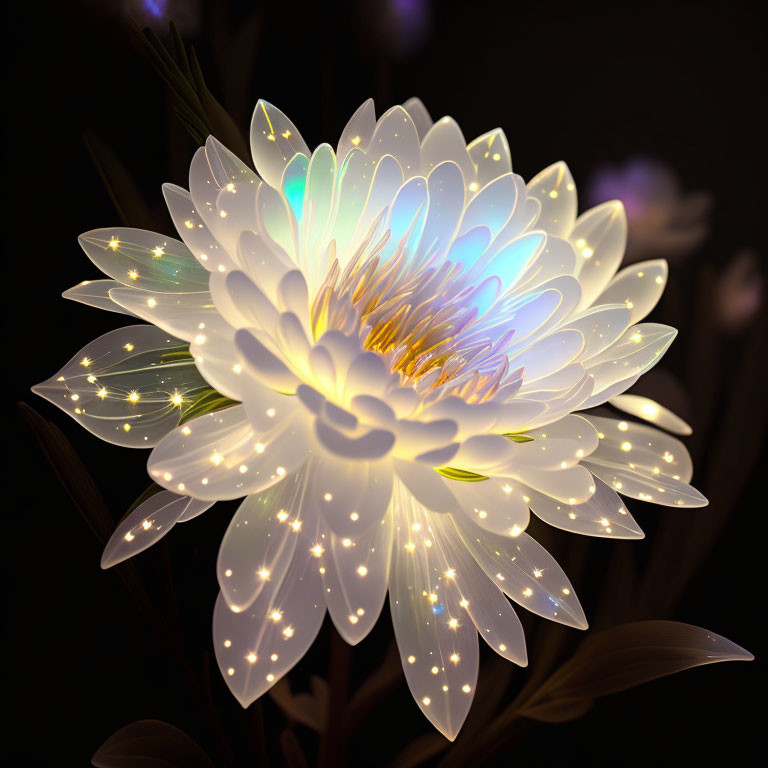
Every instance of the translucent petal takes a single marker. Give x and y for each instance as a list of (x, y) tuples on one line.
[(512, 262), (573, 485), (601, 326), (148, 523), (194, 231), (488, 608), (650, 410), (641, 446), (604, 514), (372, 444), (259, 544), (599, 237), (355, 577), (256, 647), (194, 509), (218, 456), (128, 387), (226, 167), (142, 259), (495, 504), (490, 156), (549, 354), (351, 497), (491, 206), (526, 572), (445, 141), (275, 220), (396, 135), (95, 293), (261, 363), (217, 359), (185, 315), (437, 643), (420, 116), (358, 131), (274, 141), (638, 286), (294, 184), (558, 445), (426, 486), (555, 190), (318, 203), (646, 486), (554, 259), (638, 349), (445, 186)]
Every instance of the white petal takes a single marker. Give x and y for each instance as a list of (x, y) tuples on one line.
[(396, 135), (274, 141), (650, 410), (426, 486), (558, 445), (555, 190), (490, 156), (218, 456), (445, 186), (148, 523), (495, 504), (488, 608), (260, 542), (445, 141), (142, 259), (95, 293), (638, 286), (599, 237), (256, 647), (637, 350), (604, 514), (355, 578), (373, 444), (358, 131), (194, 509), (573, 485), (526, 572), (185, 315), (420, 116), (491, 206), (123, 386), (437, 642), (637, 445), (194, 231), (352, 497), (549, 354), (601, 326), (263, 364), (217, 359)]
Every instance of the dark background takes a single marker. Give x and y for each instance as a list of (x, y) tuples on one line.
[(590, 83)]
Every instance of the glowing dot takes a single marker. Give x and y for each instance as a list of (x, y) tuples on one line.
[(231, 671), (537, 572), (158, 252), (502, 647), (204, 481), (473, 187), (527, 592), (453, 623), (587, 253), (227, 643), (276, 616), (659, 279), (411, 659), (263, 574), (346, 542), (328, 496), (271, 412), (566, 591), (129, 536), (133, 397), (450, 573), (274, 657), (296, 526), (410, 546), (176, 398), (270, 677), (288, 632), (282, 515), (668, 457), (572, 515), (186, 430), (259, 447), (86, 361), (280, 471), (362, 570), (455, 658), (352, 618), (416, 527), (128, 347), (626, 446), (426, 701), (497, 157), (356, 140), (466, 688), (146, 524), (216, 459), (354, 517), (552, 194), (317, 550), (242, 469), (434, 670), (251, 657), (114, 243), (432, 597), (464, 603), (167, 477), (75, 397), (151, 303), (127, 427), (237, 368), (515, 530)]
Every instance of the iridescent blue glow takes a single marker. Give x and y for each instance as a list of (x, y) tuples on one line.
[(294, 182), (510, 262), (470, 246)]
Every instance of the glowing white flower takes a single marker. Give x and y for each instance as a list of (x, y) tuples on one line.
[(407, 329)]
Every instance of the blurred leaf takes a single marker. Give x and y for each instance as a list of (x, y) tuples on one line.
[(292, 752), (309, 709), (515, 438), (207, 402), (120, 185), (150, 744), (74, 477), (623, 657), (193, 103)]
